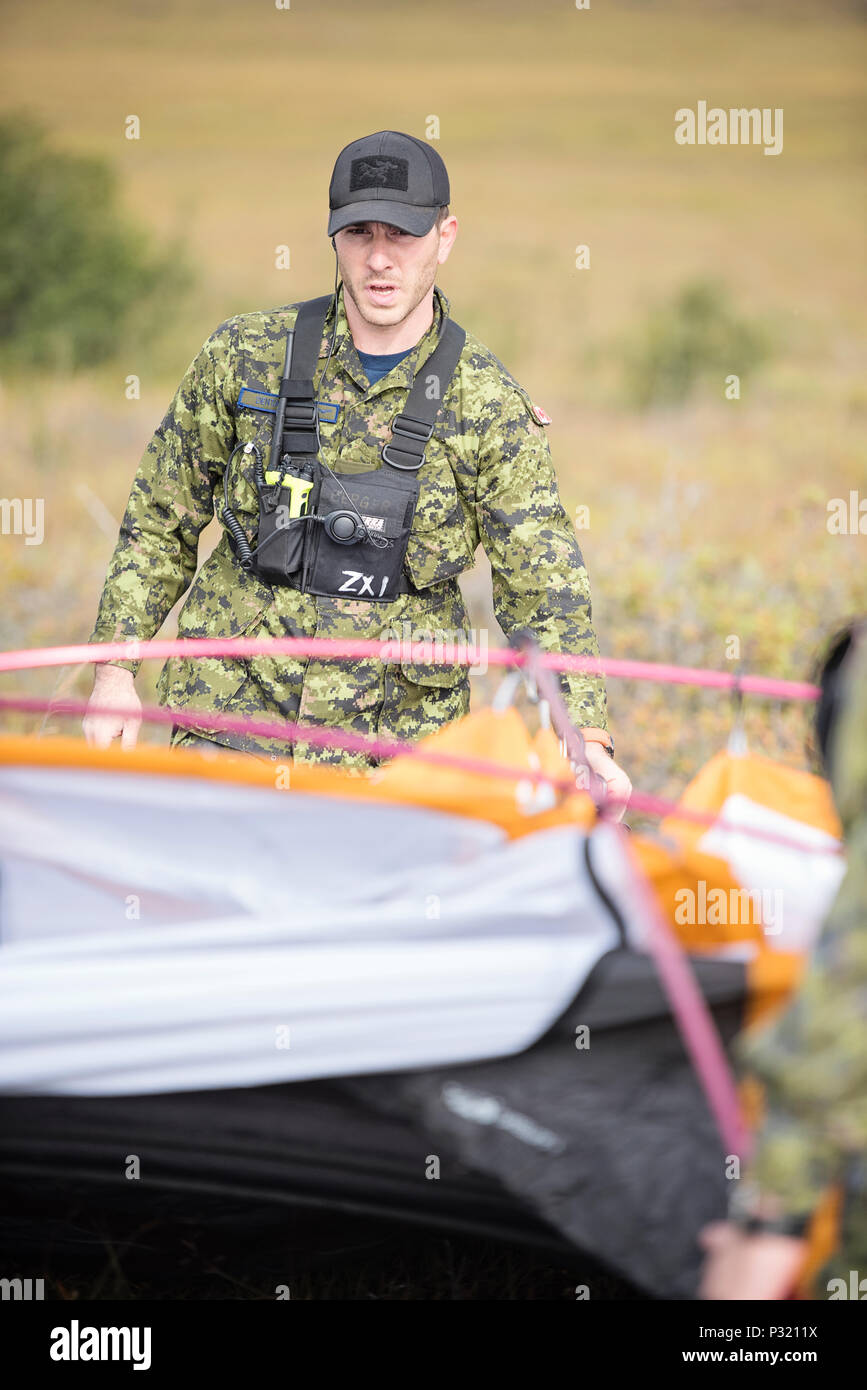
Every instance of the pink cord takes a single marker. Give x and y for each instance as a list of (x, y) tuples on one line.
[(354, 649), (335, 737), (692, 1017)]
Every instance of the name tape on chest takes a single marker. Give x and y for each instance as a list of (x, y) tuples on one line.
[(251, 399)]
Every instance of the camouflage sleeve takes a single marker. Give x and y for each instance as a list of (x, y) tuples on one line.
[(813, 1060), (171, 501), (538, 576)]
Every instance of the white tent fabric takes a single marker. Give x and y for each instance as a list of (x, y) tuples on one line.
[(794, 888), (170, 934)]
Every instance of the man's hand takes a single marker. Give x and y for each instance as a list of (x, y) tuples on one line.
[(741, 1266), (113, 689), (617, 785)]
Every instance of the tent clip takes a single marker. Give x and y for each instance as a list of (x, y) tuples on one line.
[(507, 690)]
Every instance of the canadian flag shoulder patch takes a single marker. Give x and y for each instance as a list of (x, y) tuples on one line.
[(541, 415)]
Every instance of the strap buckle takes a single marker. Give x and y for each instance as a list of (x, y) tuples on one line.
[(299, 423), (418, 431), (304, 415), (300, 411)]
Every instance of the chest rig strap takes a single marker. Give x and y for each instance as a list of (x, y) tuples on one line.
[(332, 534), (296, 421), (414, 426), (411, 429)]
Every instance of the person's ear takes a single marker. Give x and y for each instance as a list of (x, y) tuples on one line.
[(447, 233)]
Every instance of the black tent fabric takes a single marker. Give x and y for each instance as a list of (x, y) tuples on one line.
[(612, 1144), (607, 1149)]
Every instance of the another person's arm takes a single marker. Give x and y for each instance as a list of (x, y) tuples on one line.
[(812, 1060)]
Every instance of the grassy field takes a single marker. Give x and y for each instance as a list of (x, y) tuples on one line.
[(708, 520), (320, 1256)]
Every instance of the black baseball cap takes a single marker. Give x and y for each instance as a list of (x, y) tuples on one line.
[(388, 177)]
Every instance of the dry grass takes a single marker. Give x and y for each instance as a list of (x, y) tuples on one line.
[(558, 129)]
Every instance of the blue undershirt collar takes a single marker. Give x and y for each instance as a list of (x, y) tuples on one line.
[(378, 364)]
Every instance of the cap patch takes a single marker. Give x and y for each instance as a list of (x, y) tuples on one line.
[(379, 171)]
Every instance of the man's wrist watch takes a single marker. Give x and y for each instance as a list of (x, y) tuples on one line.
[(758, 1213), (594, 735), (793, 1226)]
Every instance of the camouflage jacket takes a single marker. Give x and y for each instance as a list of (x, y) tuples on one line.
[(812, 1060), (487, 478)]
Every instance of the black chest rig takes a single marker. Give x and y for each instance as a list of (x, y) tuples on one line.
[(342, 535)]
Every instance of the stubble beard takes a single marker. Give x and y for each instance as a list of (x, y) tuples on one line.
[(419, 283)]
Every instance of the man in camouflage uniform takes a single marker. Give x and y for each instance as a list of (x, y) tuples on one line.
[(487, 477), (812, 1063)]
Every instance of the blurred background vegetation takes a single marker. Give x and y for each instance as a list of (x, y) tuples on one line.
[(74, 274), (707, 514)]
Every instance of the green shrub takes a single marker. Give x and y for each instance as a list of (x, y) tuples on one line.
[(73, 271), (696, 337)]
